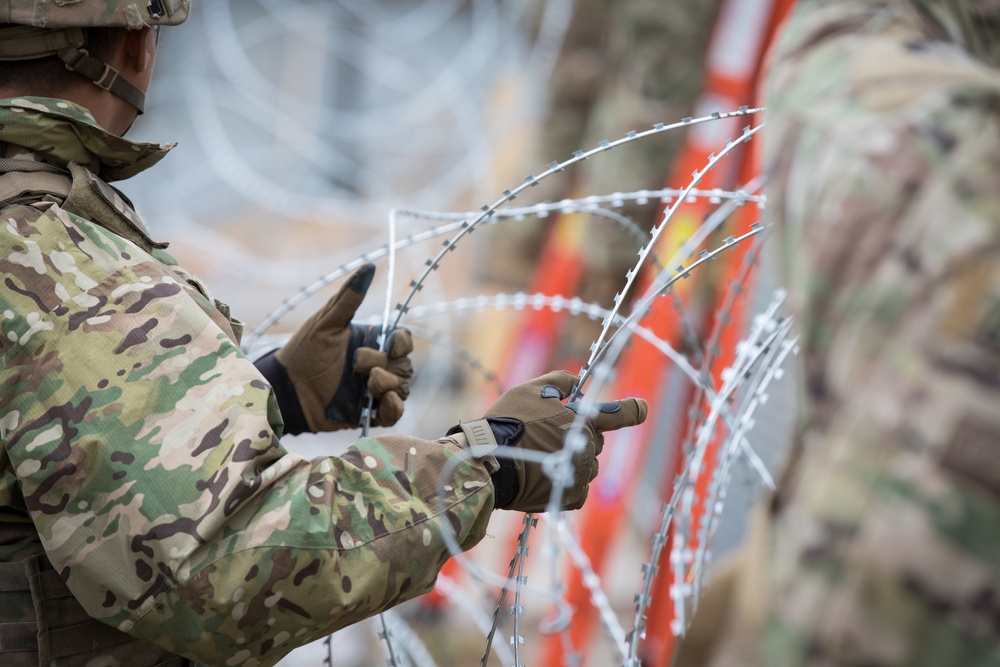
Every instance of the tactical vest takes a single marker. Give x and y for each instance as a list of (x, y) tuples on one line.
[(41, 623)]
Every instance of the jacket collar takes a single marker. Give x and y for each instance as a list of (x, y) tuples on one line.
[(64, 132)]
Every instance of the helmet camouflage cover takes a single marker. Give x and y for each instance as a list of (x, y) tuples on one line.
[(41, 28), (132, 14)]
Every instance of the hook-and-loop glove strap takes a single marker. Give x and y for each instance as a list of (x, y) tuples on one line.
[(533, 416), (320, 375)]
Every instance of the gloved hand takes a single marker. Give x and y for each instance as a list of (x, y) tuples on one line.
[(533, 416), (320, 375)]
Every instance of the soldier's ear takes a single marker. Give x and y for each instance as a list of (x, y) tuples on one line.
[(140, 49)]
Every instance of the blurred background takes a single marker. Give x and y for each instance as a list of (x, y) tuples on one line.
[(303, 124)]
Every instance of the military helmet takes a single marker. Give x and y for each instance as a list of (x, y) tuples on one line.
[(42, 28), (133, 14)]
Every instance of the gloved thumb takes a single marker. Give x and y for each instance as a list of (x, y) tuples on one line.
[(613, 415), (340, 309)]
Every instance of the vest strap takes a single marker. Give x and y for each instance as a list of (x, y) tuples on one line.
[(16, 164), (32, 186), (18, 638), (14, 578)]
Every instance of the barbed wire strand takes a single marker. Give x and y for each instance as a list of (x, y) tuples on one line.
[(651, 568), (513, 571), (734, 446), (747, 353), (366, 417), (580, 205), (509, 195)]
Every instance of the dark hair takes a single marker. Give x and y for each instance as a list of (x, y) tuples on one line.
[(48, 77)]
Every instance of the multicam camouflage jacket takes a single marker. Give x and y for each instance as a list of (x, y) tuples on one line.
[(141, 451), (882, 546)]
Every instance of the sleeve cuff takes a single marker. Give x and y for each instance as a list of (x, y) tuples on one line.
[(502, 432), (288, 401)]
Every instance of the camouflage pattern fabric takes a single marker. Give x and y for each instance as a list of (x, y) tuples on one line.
[(141, 449), (58, 132), (882, 546)]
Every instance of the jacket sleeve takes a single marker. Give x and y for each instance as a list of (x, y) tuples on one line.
[(880, 546), (147, 451)]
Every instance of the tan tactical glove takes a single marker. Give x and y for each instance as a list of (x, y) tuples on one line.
[(533, 416), (320, 375)]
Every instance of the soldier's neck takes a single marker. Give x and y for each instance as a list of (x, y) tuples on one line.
[(110, 112)]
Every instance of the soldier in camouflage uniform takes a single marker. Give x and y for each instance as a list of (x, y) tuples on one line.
[(882, 546), (149, 514)]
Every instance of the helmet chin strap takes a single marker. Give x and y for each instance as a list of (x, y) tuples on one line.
[(103, 76), (29, 43)]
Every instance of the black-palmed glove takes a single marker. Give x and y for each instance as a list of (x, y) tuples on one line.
[(533, 416), (320, 375)]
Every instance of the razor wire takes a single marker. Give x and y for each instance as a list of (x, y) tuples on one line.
[(575, 440), (366, 422), (598, 350), (595, 311), (457, 221), (241, 90), (756, 396), (574, 306), (606, 349), (515, 577), (748, 353), (758, 364), (515, 570), (530, 180), (679, 591)]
